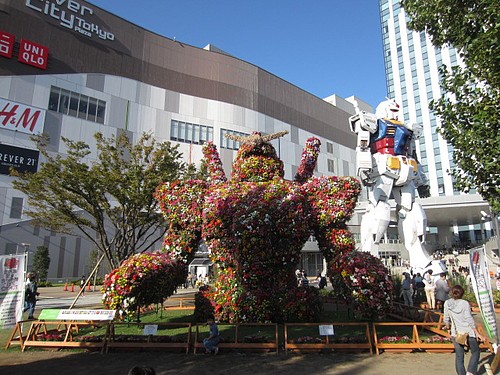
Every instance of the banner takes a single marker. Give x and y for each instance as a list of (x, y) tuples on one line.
[(11, 289), (481, 283)]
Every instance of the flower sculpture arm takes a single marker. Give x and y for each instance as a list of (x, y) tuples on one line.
[(181, 203), (214, 165), (308, 160)]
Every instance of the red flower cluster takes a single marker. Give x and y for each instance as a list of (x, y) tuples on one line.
[(363, 282), (142, 280)]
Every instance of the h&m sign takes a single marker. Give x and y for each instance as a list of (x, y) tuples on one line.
[(20, 117)]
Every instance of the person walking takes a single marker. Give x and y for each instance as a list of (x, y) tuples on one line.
[(407, 292), (457, 315), (442, 291), (430, 290), (82, 285), (30, 295)]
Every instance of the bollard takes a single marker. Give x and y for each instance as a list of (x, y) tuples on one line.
[(65, 287)]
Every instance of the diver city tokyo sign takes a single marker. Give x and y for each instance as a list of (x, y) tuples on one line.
[(72, 15)]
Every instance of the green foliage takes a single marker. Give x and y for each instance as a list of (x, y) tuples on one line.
[(109, 200), (397, 284), (41, 262), (468, 109)]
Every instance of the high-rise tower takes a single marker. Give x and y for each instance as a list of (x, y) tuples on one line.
[(412, 76)]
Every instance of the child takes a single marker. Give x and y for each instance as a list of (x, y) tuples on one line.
[(211, 342)]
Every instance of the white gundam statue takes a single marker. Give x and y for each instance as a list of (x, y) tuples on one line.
[(387, 166)]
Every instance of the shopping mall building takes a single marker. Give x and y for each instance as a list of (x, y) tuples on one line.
[(70, 69)]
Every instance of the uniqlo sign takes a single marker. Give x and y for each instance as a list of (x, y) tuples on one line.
[(33, 54), (6, 44)]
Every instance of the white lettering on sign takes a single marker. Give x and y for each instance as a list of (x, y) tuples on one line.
[(71, 15), (6, 44), (22, 118), (33, 54)]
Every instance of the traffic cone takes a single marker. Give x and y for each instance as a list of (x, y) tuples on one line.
[(72, 287), (66, 287), (88, 287)]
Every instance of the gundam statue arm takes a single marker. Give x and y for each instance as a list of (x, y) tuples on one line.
[(387, 167)]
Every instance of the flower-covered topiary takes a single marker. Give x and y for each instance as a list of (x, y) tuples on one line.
[(255, 226), (142, 280), (363, 282)]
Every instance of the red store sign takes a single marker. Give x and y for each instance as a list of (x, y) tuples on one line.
[(6, 44), (30, 53)]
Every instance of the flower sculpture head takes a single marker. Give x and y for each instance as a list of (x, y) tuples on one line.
[(256, 159)]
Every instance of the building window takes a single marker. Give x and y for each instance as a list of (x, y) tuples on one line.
[(190, 133), (16, 208), (76, 105), (331, 166), (229, 143), (329, 147)]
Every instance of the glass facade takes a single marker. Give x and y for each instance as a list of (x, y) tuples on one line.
[(76, 105)]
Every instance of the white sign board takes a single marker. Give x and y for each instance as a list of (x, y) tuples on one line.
[(86, 315), (326, 330), (11, 290), (22, 118), (150, 329)]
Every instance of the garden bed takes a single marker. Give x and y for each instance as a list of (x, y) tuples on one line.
[(346, 336), (244, 336)]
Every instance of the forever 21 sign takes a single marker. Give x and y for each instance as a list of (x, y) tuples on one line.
[(20, 159)]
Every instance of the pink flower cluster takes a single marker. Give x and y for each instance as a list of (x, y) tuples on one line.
[(363, 282), (142, 280)]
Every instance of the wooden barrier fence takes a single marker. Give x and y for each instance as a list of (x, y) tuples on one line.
[(416, 342), (305, 344), (176, 340), (238, 342)]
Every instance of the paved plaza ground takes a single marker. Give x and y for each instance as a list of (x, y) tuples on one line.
[(62, 363)]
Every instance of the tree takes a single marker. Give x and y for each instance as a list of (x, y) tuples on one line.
[(109, 200), (41, 262), (468, 110)]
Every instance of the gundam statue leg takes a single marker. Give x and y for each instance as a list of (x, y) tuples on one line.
[(412, 224)]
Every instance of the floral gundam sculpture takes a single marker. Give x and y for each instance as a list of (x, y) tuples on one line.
[(387, 166)]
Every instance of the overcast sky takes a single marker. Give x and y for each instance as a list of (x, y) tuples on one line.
[(322, 46)]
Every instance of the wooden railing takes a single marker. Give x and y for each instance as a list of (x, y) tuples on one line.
[(61, 334), (326, 342), (416, 342), (238, 342), (175, 340)]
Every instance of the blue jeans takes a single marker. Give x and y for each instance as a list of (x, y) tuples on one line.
[(460, 354), (29, 305), (211, 344)]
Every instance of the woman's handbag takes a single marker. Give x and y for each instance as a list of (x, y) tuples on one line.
[(461, 338)]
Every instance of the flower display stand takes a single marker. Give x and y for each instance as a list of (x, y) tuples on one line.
[(325, 342), (61, 335), (154, 341), (238, 342)]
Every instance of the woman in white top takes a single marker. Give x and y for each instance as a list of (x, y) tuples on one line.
[(457, 314)]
